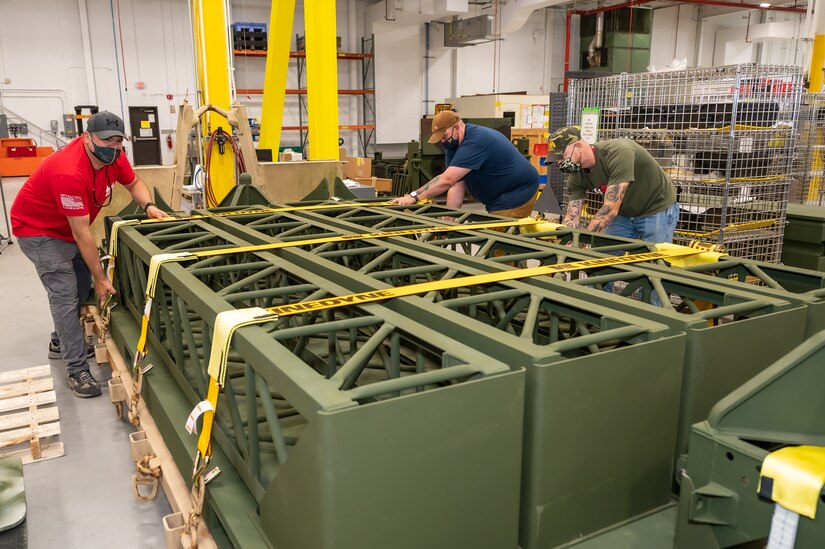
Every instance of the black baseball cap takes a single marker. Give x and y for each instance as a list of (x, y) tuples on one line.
[(105, 125)]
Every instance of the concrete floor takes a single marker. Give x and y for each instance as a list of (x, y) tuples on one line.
[(83, 499)]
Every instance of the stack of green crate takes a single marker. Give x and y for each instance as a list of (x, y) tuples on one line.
[(804, 241)]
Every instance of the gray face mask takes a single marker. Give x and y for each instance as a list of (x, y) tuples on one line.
[(568, 166), (107, 155)]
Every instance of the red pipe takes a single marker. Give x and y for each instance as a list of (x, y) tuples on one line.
[(567, 46), (632, 3)]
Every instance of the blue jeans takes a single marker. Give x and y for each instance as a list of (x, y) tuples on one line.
[(656, 227), (68, 282)]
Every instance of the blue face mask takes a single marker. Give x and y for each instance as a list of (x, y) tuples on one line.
[(450, 145), (107, 155)]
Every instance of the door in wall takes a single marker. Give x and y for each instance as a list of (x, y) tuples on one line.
[(145, 135)]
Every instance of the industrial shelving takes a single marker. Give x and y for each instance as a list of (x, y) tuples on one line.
[(366, 130), (726, 137)]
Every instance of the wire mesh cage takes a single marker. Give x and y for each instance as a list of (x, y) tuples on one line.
[(725, 136), (807, 186)]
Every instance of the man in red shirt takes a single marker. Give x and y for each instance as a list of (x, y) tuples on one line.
[(51, 218)]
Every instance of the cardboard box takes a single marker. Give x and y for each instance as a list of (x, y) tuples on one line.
[(290, 156), (342, 153), (381, 184), (356, 167)]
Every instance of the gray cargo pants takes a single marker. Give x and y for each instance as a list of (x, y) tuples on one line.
[(67, 281)]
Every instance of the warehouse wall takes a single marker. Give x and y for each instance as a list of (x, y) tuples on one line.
[(528, 60), (43, 66), (673, 36)]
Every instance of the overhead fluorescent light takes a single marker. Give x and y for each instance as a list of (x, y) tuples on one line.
[(765, 5)]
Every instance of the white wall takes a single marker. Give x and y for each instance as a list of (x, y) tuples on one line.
[(673, 35), (43, 69), (43, 72), (530, 60)]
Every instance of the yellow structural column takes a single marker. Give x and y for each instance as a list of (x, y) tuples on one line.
[(817, 63), (322, 79), (277, 66), (213, 57)]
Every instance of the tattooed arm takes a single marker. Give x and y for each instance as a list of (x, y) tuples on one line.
[(574, 210), (610, 209)]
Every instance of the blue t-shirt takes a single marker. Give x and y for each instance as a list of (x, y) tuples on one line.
[(500, 177)]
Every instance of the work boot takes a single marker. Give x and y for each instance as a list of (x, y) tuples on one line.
[(56, 354), (83, 385)]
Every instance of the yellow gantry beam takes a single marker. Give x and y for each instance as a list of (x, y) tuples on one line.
[(322, 79), (212, 53), (277, 65)]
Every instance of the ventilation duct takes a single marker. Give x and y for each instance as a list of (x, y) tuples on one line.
[(468, 32)]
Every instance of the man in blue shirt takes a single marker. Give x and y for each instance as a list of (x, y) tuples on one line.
[(482, 161)]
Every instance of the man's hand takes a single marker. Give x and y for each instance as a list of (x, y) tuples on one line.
[(574, 210), (405, 200), (153, 212), (103, 289)]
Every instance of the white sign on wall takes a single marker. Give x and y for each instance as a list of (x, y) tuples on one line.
[(590, 124)]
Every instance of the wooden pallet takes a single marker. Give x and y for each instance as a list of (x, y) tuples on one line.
[(28, 415)]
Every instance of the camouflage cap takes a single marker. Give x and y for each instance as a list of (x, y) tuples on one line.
[(560, 139)]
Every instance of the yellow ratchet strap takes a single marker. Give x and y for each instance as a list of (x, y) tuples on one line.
[(255, 211), (487, 278), (703, 257), (226, 323), (364, 236), (151, 285), (793, 477), (112, 255), (539, 226), (159, 259)]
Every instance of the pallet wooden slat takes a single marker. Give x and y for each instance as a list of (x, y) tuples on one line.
[(24, 388), (18, 375), (18, 403), (7, 438), (53, 450), (22, 419), (29, 415)]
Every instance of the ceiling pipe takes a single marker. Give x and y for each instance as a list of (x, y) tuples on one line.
[(631, 3), (742, 5), (571, 13)]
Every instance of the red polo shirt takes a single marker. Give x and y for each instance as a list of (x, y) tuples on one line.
[(64, 185)]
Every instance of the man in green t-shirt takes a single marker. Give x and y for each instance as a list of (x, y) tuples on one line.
[(639, 198)]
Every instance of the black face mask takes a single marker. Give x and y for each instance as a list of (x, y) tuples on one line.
[(568, 166)]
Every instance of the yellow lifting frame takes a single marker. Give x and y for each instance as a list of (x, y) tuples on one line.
[(322, 79), (277, 66), (212, 54)]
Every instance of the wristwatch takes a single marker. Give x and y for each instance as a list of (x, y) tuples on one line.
[(414, 194), (146, 206)]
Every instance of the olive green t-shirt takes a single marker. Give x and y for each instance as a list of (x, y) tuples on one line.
[(623, 160)]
